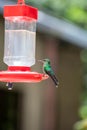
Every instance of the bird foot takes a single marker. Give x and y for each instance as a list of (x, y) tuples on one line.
[(45, 76)]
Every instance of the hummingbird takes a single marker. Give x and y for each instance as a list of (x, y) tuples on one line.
[(49, 71)]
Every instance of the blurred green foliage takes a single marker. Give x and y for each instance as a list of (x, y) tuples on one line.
[(81, 125), (72, 10), (83, 112)]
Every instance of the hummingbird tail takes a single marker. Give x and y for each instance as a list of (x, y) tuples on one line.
[(53, 77), (55, 80), (56, 86)]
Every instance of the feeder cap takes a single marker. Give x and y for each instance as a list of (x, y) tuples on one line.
[(21, 10)]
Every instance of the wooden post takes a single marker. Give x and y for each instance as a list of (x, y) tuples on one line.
[(50, 93)]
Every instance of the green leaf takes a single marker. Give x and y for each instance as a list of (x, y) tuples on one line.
[(81, 125), (83, 112)]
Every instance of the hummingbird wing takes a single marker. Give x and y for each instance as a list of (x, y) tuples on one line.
[(52, 75)]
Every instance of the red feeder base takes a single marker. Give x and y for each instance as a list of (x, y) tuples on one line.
[(21, 74)]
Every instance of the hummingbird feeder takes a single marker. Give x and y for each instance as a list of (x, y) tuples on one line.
[(19, 50)]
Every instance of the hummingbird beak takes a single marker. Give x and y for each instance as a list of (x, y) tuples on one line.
[(41, 61)]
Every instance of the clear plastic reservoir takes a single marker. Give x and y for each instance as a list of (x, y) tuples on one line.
[(20, 33)]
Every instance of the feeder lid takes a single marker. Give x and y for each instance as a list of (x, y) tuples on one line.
[(21, 10)]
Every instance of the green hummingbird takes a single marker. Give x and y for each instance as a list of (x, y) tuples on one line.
[(48, 70)]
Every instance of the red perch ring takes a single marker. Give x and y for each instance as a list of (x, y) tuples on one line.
[(21, 74)]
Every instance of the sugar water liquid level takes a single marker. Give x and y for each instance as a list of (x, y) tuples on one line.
[(19, 48)]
